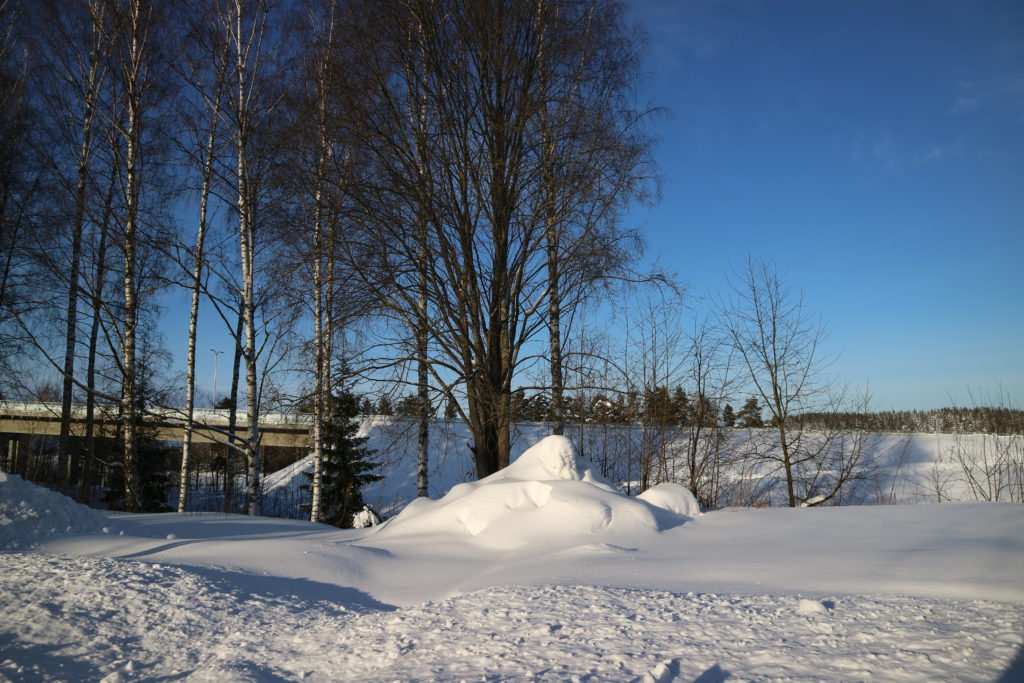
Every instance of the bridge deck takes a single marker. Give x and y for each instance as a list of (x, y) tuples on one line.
[(276, 429)]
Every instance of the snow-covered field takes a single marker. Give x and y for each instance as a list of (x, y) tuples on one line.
[(901, 468), (541, 572)]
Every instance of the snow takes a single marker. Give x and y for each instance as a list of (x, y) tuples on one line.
[(553, 457), (907, 468), (30, 514), (539, 572), (675, 498), (365, 518), (547, 497)]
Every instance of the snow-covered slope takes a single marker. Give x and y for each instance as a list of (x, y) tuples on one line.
[(30, 514), (902, 468)]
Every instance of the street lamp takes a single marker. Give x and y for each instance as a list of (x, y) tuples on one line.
[(216, 356)]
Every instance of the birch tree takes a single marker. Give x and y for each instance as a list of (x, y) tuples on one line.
[(593, 158), (96, 290), (74, 47), (394, 198), (136, 79), (247, 27), (459, 125), (208, 81), (318, 75)]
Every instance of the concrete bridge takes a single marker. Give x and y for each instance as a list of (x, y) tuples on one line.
[(276, 429)]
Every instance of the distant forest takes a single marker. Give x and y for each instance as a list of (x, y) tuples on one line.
[(664, 408), (983, 420)]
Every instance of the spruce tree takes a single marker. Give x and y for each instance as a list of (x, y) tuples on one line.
[(728, 416), (347, 466), (750, 414), (681, 406), (451, 409)]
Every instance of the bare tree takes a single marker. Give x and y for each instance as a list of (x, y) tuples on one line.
[(709, 377), (136, 81), (460, 124), (21, 172), (393, 119), (990, 465), (778, 341), (654, 362), (318, 62), (96, 284), (592, 157), (320, 167), (247, 28), (74, 46), (208, 81)]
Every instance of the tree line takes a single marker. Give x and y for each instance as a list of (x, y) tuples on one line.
[(658, 406), (952, 420)]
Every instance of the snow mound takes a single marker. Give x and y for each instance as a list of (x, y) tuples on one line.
[(672, 497), (811, 608), (553, 457), (365, 518), (549, 496), (30, 514)]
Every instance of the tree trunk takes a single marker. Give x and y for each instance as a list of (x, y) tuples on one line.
[(133, 136), (319, 380), (246, 239), (229, 469), (71, 312), (193, 319), (252, 442), (99, 279), (555, 333), (557, 410), (422, 367)]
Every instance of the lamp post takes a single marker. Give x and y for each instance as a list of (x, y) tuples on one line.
[(216, 356)]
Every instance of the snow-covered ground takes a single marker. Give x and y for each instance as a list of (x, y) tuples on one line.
[(541, 572)]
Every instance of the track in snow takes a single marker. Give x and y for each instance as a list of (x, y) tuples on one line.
[(101, 619)]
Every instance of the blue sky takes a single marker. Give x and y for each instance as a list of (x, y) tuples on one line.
[(875, 151)]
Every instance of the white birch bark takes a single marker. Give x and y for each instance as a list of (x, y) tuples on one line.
[(193, 320), (132, 134), (318, 340), (243, 45)]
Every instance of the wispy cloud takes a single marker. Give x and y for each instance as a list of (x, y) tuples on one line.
[(877, 149), (681, 29), (1005, 94), (939, 152), (886, 150)]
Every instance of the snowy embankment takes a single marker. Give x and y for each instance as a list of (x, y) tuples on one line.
[(896, 468), (540, 572), (30, 514)]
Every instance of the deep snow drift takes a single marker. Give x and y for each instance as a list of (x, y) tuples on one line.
[(30, 514), (546, 496), (540, 572)]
